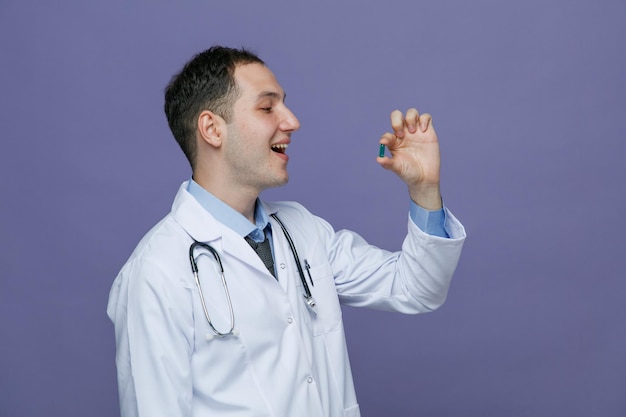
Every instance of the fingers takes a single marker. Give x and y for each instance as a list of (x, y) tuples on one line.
[(425, 121), (389, 140), (386, 163), (410, 121), (400, 122), (397, 123), (392, 164)]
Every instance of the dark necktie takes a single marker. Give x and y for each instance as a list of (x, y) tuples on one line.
[(264, 250)]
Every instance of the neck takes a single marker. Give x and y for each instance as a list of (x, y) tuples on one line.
[(243, 201)]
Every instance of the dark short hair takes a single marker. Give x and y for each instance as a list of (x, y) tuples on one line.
[(206, 82)]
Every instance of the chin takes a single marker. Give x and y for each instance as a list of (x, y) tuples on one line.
[(279, 182), (283, 182)]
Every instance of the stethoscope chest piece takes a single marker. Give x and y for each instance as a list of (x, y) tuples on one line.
[(310, 303)]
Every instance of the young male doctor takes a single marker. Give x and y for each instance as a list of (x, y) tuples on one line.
[(268, 340)]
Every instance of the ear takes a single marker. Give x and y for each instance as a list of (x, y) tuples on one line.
[(211, 128)]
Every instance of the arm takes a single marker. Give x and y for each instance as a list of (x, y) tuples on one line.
[(154, 338), (416, 279)]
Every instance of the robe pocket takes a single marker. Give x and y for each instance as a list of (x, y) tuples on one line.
[(327, 312)]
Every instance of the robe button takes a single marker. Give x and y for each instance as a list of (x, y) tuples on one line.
[(309, 380), (289, 320), (282, 266)]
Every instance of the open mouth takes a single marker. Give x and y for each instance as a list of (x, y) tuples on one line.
[(280, 147)]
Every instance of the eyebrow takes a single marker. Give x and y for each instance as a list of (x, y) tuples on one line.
[(272, 94)]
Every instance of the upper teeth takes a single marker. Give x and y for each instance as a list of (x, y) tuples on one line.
[(280, 146)]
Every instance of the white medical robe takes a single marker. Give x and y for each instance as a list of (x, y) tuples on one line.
[(285, 360)]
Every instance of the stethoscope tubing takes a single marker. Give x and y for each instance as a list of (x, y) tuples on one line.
[(194, 270), (308, 298), (310, 301)]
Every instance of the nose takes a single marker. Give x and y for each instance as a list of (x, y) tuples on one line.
[(290, 122)]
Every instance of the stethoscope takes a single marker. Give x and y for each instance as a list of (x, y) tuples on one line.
[(308, 298)]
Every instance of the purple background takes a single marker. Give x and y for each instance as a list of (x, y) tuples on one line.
[(528, 99)]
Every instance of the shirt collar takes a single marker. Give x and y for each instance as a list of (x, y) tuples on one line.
[(228, 216)]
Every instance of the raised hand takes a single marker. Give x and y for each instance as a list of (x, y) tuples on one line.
[(415, 156)]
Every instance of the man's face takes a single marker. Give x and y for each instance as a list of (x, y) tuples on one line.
[(259, 132)]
